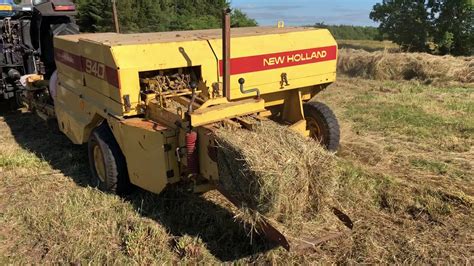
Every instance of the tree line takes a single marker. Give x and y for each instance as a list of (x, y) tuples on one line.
[(437, 26), (156, 15), (349, 32)]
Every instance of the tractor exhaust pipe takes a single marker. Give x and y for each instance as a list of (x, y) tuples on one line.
[(226, 51)]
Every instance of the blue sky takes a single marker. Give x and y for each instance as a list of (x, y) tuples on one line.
[(304, 12)]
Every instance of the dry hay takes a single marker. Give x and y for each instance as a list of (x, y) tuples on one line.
[(405, 66), (277, 173)]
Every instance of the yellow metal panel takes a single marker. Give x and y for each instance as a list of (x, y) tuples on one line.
[(220, 112), (70, 72), (143, 144), (95, 101), (171, 158), (207, 165), (147, 57), (5, 7), (132, 59), (77, 107), (72, 119), (74, 58), (130, 85), (94, 57), (278, 98), (300, 127), (268, 81), (293, 107), (70, 47)]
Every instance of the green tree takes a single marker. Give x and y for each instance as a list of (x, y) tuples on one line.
[(349, 32), (94, 16), (446, 42), (405, 22), (454, 31), (413, 24), (157, 15), (240, 19)]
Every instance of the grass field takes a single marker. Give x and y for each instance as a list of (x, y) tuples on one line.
[(368, 45), (406, 179)]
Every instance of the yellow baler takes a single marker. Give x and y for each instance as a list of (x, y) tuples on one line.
[(147, 104)]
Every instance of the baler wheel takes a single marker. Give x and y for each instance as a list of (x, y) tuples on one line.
[(107, 163), (322, 124)]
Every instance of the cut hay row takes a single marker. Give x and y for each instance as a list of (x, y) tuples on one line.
[(383, 65), (277, 173)]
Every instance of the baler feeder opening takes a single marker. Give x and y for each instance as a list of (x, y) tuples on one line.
[(169, 80), (169, 83)]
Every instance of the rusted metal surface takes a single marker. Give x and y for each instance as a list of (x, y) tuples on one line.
[(302, 244), (226, 51), (248, 123), (344, 218), (186, 101), (270, 232), (145, 124), (115, 16), (166, 83)]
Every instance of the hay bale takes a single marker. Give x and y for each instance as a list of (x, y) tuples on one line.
[(383, 65), (275, 172)]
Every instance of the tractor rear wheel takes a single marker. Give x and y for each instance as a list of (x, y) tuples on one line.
[(65, 29), (322, 125), (107, 163)]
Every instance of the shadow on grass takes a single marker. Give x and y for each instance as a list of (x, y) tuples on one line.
[(181, 213)]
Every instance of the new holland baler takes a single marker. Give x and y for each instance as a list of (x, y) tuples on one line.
[(148, 104)]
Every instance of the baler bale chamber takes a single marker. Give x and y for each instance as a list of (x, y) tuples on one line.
[(148, 104)]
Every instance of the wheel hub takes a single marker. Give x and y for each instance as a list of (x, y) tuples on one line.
[(314, 129), (99, 163)]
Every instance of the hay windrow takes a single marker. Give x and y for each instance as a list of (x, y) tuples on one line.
[(276, 173), (383, 65)]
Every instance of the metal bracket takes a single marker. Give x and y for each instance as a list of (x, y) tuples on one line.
[(284, 81)]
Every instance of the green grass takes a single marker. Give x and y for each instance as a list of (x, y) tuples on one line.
[(439, 168), (418, 112), (20, 159), (404, 119)]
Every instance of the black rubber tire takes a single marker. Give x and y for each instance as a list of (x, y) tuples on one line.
[(116, 175), (65, 29), (330, 134)]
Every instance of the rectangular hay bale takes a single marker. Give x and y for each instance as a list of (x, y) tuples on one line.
[(275, 172)]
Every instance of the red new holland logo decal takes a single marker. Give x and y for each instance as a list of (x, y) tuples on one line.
[(256, 63)]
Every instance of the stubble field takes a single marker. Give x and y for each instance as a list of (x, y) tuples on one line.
[(406, 163)]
